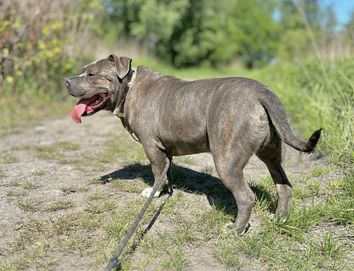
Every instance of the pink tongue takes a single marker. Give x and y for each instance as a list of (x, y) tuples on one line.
[(77, 112)]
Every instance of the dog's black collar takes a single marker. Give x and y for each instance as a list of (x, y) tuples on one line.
[(119, 110)]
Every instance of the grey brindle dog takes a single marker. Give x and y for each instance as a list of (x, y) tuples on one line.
[(232, 118)]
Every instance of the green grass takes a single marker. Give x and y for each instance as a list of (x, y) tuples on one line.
[(96, 196), (38, 239), (98, 208), (312, 238), (60, 205), (131, 186), (59, 152), (20, 110), (30, 205), (30, 185), (56, 151), (15, 193), (126, 150), (39, 173)]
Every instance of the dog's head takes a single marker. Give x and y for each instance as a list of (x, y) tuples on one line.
[(101, 85)]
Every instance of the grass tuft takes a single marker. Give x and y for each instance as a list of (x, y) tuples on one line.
[(60, 205), (29, 205)]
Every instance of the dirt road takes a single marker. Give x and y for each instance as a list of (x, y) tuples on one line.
[(63, 188)]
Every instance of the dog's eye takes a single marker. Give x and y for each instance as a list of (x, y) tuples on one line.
[(90, 74)]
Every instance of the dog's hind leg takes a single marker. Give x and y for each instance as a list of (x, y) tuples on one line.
[(271, 155), (158, 160), (230, 169)]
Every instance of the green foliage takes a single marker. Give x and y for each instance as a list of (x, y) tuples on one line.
[(258, 34), (186, 33), (295, 41)]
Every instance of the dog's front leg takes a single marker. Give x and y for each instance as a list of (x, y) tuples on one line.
[(160, 164)]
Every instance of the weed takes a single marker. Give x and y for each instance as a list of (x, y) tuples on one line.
[(47, 152), (29, 205), (176, 260), (7, 158), (30, 185), (126, 150), (39, 173), (17, 194), (75, 222), (98, 208), (96, 196), (57, 151), (7, 266), (60, 205), (94, 208), (225, 252), (14, 184), (320, 171)]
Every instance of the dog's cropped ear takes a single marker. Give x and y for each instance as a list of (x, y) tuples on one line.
[(122, 65)]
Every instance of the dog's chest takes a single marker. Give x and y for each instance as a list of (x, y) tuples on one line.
[(187, 147), (184, 136)]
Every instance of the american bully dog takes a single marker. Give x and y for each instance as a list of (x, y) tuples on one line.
[(232, 118)]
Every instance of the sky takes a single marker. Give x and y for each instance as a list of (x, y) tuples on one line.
[(342, 8)]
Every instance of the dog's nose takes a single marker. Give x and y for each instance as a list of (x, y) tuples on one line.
[(67, 82)]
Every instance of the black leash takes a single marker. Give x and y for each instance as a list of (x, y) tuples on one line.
[(115, 259)]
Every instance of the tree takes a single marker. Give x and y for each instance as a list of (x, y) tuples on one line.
[(294, 39), (258, 34), (190, 32)]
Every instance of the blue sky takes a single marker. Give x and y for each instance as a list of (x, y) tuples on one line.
[(342, 8)]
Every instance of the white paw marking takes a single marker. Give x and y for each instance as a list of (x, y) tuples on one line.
[(231, 226), (147, 191)]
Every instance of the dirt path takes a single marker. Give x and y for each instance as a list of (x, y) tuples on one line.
[(50, 171)]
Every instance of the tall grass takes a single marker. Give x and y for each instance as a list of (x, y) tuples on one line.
[(316, 99)]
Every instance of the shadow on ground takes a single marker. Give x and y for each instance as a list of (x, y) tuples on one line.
[(194, 182)]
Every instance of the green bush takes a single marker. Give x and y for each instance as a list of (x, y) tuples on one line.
[(35, 54), (39, 47)]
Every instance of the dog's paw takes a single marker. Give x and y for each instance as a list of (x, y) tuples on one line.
[(231, 226), (278, 219), (147, 191)]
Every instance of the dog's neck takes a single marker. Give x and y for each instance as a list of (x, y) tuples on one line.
[(119, 109)]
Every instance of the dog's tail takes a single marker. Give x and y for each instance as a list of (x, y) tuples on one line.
[(278, 116)]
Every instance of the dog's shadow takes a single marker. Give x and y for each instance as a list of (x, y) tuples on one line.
[(194, 182)]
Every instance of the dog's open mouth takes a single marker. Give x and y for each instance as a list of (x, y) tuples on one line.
[(89, 106)]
